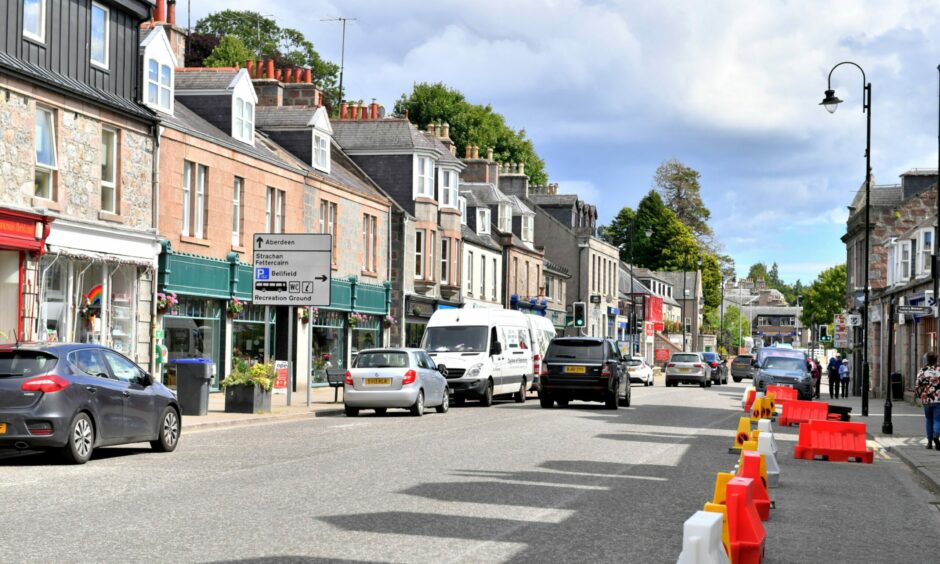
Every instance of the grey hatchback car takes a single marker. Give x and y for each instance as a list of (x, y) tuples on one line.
[(76, 397)]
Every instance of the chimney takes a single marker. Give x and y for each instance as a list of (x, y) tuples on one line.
[(469, 152), (159, 13), (269, 68), (250, 65), (374, 109), (308, 76), (521, 168), (476, 152), (437, 130), (431, 128), (164, 15), (489, 153), (445, 130), (171, 12), (342, 110)]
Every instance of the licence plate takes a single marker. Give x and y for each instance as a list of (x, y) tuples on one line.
[(684, 369), (3, 428), (377, 381), (575, 370)]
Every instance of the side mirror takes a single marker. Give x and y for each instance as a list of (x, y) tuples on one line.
[(442, 369), (496, 348)]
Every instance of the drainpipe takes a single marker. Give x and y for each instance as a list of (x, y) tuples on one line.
[(404, 275), (157, 130)]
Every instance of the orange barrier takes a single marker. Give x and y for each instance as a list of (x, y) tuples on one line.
[(835, 441), (746, 532), (797, 411), (783, 394), (749, 399), (754, 466)]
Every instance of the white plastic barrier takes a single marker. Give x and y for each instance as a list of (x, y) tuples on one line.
[(765, 446), (766, 426), (701, 540)]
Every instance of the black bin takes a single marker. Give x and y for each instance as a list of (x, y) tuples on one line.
[(897, 385), (192, 384)]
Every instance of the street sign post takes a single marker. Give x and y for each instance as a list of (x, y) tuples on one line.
[(292, 269), (914, 310)]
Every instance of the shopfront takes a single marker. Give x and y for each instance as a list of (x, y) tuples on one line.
[(366, 332), (328, 341), (22, 241), (418, 312), (248, 332), (193, 328)]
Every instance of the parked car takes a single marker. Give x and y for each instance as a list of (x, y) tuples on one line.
[(687, 368), (403, 378), (785, 371), (75, 397), (586, 369), (719, 370), (639, 371), (742, 367), (487, 352)]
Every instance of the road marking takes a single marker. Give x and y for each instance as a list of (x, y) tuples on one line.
[(348, 425)]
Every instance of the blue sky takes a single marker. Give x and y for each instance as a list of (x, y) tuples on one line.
[(608, 89)]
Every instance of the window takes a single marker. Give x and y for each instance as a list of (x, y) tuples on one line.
[(45, 154), (469, 284), (462, 206), (548, 287), (445, 260), (274, 210), (493, 288), (505, 218), (100, 32), (328, 217), (483, 276), (904, 261), (321, 152), (109, 170), (527, 223), (892, 265), (431, 246), (515, 275), (483, 221), (448, 196), (200, 207), (34, 19), (238, 194), (187, 195), (159, 85), (244, 126), (424, 177), (369, 243), (123, 369), (194, 199), (926, 250), (419, 253)]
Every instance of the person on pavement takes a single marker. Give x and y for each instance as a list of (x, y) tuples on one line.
[(844, 377), (927, 388), (817, 378), (833, 369)]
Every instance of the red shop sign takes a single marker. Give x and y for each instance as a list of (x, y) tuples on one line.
[(23, 231)]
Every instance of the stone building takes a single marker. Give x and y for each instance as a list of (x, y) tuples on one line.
[(76, 173), (482, 260)]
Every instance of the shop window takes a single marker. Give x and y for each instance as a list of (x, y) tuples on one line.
[(366, 334), (122, 309), (100, 35), (109, 170), (328, 330), (9, 295), (46, 161), (248, 333), (193, 329), (53, 299)]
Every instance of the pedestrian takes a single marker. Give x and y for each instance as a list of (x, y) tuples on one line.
[(927, 388), (843, 379), (833, 372), (817, 377)]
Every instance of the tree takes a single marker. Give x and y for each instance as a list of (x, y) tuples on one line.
[(735, 323), (229, 52), (471, 124), (825, 298), (757, 272), (200, 46), (681, 192), (265, 39)]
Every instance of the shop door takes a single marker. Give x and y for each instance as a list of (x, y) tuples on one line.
[(9, 295)]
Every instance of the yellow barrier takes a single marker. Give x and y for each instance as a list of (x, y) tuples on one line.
[(743, 434)]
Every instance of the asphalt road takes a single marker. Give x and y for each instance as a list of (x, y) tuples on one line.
[(512, 483)]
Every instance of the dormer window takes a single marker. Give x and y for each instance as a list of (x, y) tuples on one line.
[(159, 85), (100, 32), (424, 177), (505, 218), (243, 127), (528, 223), (448, 191), (321, 152), (483, 221), (462, 206)]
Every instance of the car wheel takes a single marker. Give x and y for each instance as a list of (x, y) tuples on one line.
[(625, 402), (562, 402), (169, 432), (445, 402), (418, 408), (487, 399), (611, 401), (546, 401), (380, 410), (351, 411), (736, 380), (704, 384), (520, 395), (81, 440)]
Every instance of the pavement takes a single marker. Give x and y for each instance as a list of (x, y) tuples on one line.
[(321, 404)]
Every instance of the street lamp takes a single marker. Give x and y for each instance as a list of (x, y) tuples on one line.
[(831, 102), (633, 332)]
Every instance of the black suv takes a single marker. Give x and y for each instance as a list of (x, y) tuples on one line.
[(718, 367), (583, 368)]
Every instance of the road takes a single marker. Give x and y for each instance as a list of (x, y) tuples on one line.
[(512, 483)]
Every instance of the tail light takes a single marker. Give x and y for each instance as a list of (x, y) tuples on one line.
[(605, 372), (713, 364), (697, 365), (45, 384), (409, 378), (670, 365), (42, 428), (537, 364), (348, 378)]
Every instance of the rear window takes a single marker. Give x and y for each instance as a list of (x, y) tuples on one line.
[(26, 363), (743, 358), (685, 358), (634, 362), (382, 359), (577, 350)]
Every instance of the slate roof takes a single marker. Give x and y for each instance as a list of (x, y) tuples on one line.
[(345, 172), (70, 86), (284, 116), (380, 134), (550, 200), (519, 207), (485, 193), (557, 269), (204, 79), (471, 236)]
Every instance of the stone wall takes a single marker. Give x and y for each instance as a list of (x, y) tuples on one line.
[(17, 127)]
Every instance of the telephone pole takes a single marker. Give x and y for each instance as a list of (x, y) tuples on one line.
[(342, 53)]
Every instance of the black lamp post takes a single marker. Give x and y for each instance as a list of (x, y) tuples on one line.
[(831, 102), (633, 328)]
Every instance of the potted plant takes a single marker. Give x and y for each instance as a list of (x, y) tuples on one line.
[(303, 314), (235, 307), (388, 321), (166, 301), (248, 388)]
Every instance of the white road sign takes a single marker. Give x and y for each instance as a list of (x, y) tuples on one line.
[(853, 320), (292, 269)]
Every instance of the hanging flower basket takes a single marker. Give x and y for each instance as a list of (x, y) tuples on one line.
[(388, 321), (235, 307), (166, 301), (303, 315)]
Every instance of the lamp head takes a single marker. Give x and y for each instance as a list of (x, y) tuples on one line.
[(830, 102)]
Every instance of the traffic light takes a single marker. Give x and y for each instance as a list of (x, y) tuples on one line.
[(823, 331), (580, 314)]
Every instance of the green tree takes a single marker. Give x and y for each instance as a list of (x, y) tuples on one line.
[(825, 298), (229, 52), (758, 271), (472, 124), (681, 191), (267, 40), (735, 323), (671, 245)]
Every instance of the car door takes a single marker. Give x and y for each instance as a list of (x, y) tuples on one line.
[(105, 394), (431, 378), (497, 360), (139, 417)]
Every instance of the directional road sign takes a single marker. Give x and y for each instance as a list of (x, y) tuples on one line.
[(292, 269), (853, 320), (914, 310)]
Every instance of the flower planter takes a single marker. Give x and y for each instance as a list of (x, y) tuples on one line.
[(247, 399)]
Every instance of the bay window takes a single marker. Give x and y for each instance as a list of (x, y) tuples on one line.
[(424, 177), (159, 85), (925, 249)]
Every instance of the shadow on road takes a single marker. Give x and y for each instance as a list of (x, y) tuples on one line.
[(52, 458)]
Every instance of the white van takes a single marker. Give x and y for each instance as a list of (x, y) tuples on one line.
[(542, 331), (487, 352)]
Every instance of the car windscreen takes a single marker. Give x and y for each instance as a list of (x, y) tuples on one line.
[(25, 363), (462, 338), (782, 363), (634, 362), (589, 351), (685, 358), (382, 359)]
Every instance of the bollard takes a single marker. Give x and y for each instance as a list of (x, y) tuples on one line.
[(701, 540)]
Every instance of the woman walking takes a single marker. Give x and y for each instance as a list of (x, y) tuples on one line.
[(927, 389)]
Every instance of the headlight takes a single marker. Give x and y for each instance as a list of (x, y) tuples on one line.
[(474, 371)]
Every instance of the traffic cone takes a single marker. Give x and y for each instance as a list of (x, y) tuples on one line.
[(702, 539), (743, 434), (765, 446)]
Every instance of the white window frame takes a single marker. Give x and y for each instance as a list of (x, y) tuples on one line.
[(321, 151), (424, 177), (483, 221), (505, 218), (161, 87), (107, 35), (268, 210), (483, 258), (925, 251), (462, 206), (243, 120), (187, 196), (109, 183), (892, 266), (41, 37), (445, 260), (199, 229), (527, 228), (432, 244), (279, 198), (448, 192), (419, 253), (469, 285), (904, 265), (369, 242), (238, 194), (46, 116)]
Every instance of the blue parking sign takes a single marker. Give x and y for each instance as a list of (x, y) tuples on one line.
[(262, 273)]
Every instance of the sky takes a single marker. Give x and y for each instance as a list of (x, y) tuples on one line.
[(609, 89)]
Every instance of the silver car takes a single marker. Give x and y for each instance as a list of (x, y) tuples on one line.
[(395, 378), (687, 368)]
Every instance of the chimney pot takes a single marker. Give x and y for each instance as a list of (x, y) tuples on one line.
[(354, 111), (374, 109), (489, 153), (431, 128), (476, 152), (521, 168), (298, 72), (250, 65), (270, 68), (160, 12), (445, 130), (171, 12), (437, 130), (308, 76), (469, 152), (343, 108)]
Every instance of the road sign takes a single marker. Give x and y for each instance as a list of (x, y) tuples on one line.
[(914, 310), (853, 320), (292, 269)]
